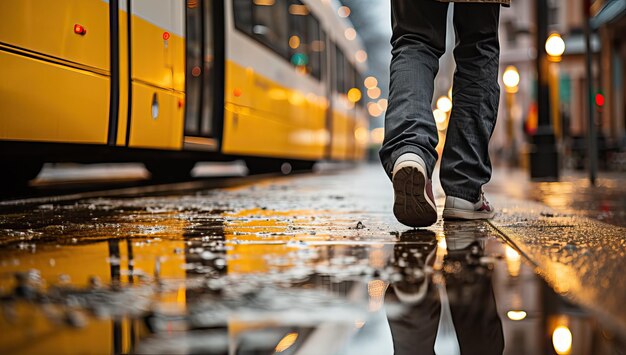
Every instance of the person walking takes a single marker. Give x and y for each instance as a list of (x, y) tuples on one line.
[(408, 152)]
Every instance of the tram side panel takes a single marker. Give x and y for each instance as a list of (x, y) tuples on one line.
[(55, 78), (273, 108)]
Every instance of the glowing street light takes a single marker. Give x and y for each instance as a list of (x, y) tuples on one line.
[(562, 340), (511, 79), (444, 104), (555, 47)]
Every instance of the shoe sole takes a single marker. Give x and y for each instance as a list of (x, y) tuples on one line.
[(459, 214), (411, 205)]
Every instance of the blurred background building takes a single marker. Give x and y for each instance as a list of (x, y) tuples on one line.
[(568, 83)]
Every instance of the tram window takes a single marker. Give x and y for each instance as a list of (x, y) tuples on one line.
[(340, 71), (325, 73), (316, 47), (359, 85), (193, 83), (243, 15), (270, 24), (349, 76), (206, 124), (298, 36)]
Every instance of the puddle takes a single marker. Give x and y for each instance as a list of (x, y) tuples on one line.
[(130, 280), (260, 269)]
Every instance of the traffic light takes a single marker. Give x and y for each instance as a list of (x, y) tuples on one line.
[(599, 101)]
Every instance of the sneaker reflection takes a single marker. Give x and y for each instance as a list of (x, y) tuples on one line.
[(446, 293)]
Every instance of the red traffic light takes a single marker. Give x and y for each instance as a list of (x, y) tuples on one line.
[(599, 99)]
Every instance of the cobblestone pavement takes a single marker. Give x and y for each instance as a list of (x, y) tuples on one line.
[(305, 264)]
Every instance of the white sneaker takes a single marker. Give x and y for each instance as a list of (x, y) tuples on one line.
[(458, 208), (414, 204)]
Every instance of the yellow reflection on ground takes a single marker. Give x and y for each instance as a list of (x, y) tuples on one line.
[(261, 240), (33, 330), (82, 267), (286, 342), (513, 261)]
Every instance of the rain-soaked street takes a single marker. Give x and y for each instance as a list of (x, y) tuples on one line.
[(205, 177), (310, 264)]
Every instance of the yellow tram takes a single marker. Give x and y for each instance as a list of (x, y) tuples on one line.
[(173, 82)]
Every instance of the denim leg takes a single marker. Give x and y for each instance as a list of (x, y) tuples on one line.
[(418, 40), (465, 165)]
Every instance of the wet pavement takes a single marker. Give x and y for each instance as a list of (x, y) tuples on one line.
[(573, 194), (306, 264)]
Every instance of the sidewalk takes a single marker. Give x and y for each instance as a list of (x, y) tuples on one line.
[(573, 194), (575, 234)]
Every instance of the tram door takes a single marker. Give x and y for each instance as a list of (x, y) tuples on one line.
[(204, 74), (154, 82)]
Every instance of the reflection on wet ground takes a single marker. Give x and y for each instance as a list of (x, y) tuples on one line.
[(263, 270), (573, 194)]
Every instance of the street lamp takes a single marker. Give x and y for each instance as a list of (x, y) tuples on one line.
[(444, 104), (555, 47), (544, 157), (511, 79)]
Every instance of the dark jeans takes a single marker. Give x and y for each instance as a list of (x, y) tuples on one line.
[(418, 40)]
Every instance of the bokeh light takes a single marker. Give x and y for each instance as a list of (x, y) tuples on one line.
[(361, 56), (350, 33), (343, 11), (354, 95), (516, 315), (440, 116), (444, 104), (383, 104), (370, 82), (294, 42), (374, 93), (555, 46), (511, 78), (562, 340)]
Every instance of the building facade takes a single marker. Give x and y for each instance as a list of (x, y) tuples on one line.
[(568, 82)]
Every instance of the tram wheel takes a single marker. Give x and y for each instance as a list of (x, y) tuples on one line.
[(302, 165), (170, 170), (277, 166), (264, 166)]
